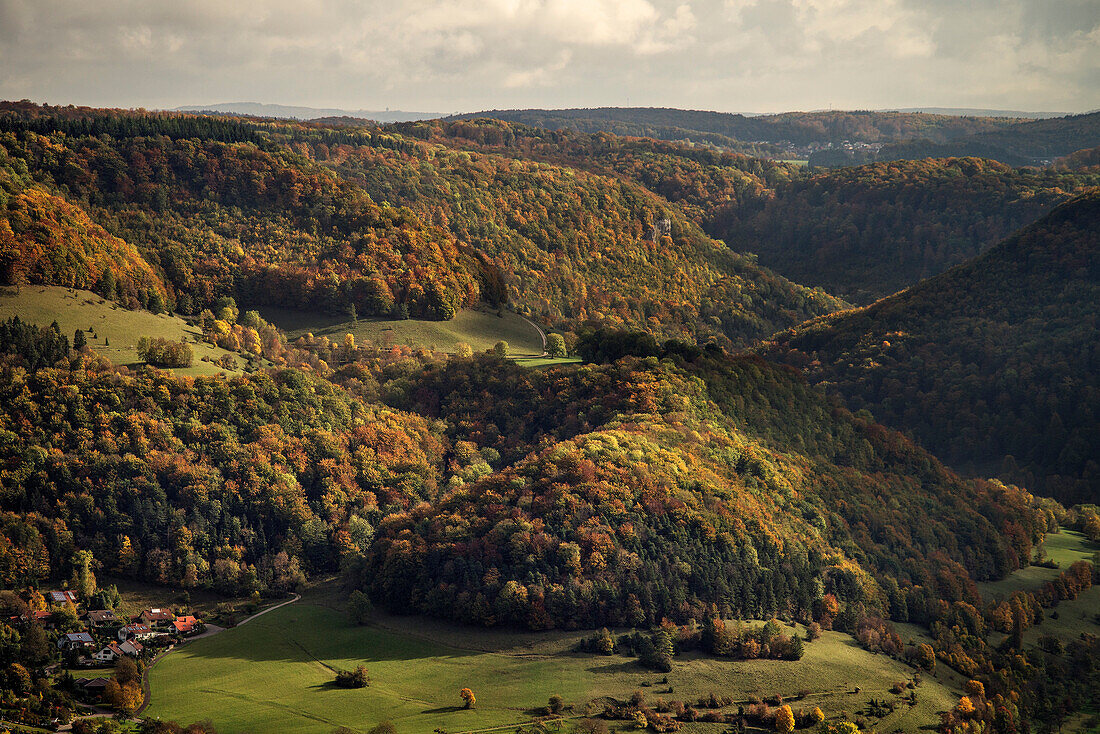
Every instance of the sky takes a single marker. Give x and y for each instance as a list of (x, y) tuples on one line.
[(468, 55)]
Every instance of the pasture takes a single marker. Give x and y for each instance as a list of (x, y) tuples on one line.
[(1063, 547), (276, 673), (480, 329), (115, 329)]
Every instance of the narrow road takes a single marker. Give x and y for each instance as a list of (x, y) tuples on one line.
[(538, 329), (211, 629)]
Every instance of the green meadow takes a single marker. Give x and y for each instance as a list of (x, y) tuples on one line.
[(480, 329), (275, 674), (1063, 547), (115, 329)]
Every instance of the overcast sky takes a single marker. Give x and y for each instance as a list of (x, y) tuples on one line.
[(467, 55)]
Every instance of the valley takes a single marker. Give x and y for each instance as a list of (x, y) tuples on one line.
[(276, 673), (532, 406)]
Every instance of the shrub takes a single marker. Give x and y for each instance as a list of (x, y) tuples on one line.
[(357, 678)]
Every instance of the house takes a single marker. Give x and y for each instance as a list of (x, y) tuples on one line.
[(101, 618), (185, 625), (61, 598), (92, 686), (131, 648), (135, 632), (75, 641), (108, 654), (157, 618), (43, 617)]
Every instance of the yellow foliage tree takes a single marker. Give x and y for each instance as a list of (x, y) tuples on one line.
[(784, 719), (468, 696)]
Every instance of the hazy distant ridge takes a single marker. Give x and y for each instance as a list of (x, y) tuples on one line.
[(259, 109)]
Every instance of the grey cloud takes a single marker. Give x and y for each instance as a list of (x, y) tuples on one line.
[(448, 55)]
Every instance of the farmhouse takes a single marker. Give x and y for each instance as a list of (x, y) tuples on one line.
[(92, 686), (42, 616), (131, 648)]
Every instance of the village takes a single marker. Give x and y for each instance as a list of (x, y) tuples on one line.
[(90, 638)]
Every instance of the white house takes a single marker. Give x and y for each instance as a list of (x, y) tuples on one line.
[(108, 654), (135, 632)]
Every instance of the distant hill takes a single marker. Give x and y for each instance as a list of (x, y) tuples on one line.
[(1035, 142), (975, 112), (860, 232), (869, 231), (798, 128), (292, 112), (993, 365)]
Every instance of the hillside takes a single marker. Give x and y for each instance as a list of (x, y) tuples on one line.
[(869, 231), (641, 490), (572, 242), (403, 229), (1035, 142), (992, 365), (862, 232), (798, 128)]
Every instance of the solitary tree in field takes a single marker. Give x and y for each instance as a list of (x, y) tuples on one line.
[(500, 349), (79, 340), (555, 345), (468, 696)]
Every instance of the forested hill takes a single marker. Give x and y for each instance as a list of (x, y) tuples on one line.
[(872, 230), (862, 233), (1027, 143), (994, 365), (799, 128), (311, 216), (645, 489)]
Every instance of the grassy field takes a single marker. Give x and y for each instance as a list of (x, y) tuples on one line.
[(116, 329), (1063, 547), (1069, 618), (275, 674), (480, 329)]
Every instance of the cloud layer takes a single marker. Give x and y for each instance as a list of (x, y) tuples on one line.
[(463, 55)]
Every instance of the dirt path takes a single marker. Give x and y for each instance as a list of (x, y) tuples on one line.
[(538, 328), (211, 629)]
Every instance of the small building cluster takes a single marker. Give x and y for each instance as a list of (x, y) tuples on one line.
[(106, 636)]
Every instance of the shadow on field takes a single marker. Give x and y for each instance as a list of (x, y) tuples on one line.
[(627, 667), (308, 633), (444, 710)]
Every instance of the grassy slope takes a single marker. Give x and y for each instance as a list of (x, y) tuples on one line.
[(274, 674), (1074, 617), (78, 309), (1063, 547), (480, 329)]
